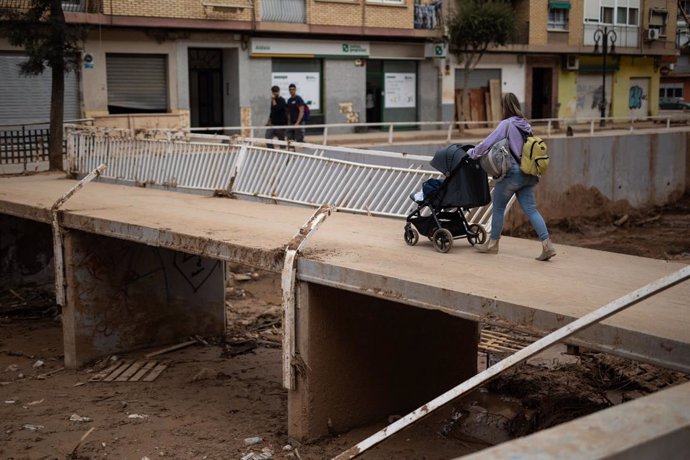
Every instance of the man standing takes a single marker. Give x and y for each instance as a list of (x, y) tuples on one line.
[(296, 111), (278, 117)]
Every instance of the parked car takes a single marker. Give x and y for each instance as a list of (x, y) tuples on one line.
[(674, 104)]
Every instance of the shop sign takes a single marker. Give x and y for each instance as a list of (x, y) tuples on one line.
[(262, 47)]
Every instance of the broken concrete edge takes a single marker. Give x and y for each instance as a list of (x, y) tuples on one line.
[(287, 283), (57, 233)]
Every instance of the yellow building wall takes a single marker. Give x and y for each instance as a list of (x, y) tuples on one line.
[(630, 67), (635, 67), (567, 94)]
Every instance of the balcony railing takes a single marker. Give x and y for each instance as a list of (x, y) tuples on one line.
[(627, 36), (428, 16), (283, 11)]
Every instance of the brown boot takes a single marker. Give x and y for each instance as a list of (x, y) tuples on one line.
[(490, 247), (547, 250)]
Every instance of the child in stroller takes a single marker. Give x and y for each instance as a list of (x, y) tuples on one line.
[(442, 204)]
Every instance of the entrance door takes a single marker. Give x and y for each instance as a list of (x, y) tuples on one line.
[(638, 97), (206, 87), (542, 92), (391, 91), (374, 95)]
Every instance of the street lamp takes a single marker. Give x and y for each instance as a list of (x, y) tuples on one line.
[(606, 36)]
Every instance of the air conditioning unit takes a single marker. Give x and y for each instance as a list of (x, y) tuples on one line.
[(572, 62), (651, 34)]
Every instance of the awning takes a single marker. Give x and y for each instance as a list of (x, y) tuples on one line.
[(559, 4)]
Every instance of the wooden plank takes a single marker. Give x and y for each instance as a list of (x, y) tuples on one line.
[(147, 367), (130, 371), (155, 373), (171, 348), (487, 104), (495, 96), (114, 374)]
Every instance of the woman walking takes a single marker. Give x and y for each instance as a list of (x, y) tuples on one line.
[(515, 181)]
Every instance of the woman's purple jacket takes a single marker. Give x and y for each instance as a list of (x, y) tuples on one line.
[(514, 137)]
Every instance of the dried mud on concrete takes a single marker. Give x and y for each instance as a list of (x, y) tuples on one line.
[(213, 397)]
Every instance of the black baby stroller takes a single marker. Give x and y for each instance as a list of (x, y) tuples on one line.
[(440, 214)]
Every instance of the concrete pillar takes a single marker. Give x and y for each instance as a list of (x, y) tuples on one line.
[(26, 252), (123, 296), (361, 359)]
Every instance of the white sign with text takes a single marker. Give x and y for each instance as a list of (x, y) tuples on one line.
[(400, 90), (308, 86)]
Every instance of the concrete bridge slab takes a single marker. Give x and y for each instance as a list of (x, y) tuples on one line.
[(364, 296)]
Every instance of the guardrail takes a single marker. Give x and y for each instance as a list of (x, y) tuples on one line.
[(547, 126)]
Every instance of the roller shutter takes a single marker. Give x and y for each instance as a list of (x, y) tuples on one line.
[(137, 83), (27, 99)]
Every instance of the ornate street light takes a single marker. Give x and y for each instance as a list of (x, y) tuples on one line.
[(606, 36)]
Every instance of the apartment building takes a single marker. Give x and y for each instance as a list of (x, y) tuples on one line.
[(556, 66), (208, 63)]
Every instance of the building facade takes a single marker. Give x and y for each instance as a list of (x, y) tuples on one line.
[(555, 64), (211, 63)]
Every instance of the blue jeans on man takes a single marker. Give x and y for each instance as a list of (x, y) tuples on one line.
[(517, 183)]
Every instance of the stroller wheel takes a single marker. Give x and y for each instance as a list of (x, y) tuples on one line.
[(443, 240), (476, 234), (411, 236)]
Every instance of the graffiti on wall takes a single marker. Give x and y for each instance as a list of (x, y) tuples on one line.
[(635, 97)]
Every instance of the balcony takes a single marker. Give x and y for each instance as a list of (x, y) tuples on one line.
[(293, 11), (428, 16), (627, 36)]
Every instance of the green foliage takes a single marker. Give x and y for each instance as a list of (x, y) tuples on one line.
[(478, 24), (42, 32)]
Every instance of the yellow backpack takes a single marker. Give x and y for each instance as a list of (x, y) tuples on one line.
[(535, 157)]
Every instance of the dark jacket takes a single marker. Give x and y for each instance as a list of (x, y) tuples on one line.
[(278, 115)]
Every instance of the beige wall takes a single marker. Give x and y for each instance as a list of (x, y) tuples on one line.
[(538, 19), (94, 80), (350, 12), (178, 9)]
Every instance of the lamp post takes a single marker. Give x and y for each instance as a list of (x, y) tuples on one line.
[(606, 36)]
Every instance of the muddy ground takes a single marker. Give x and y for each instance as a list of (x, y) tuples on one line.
[(213, 397)]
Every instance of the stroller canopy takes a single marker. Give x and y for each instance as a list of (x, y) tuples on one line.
[(466, 184), (448, 158)]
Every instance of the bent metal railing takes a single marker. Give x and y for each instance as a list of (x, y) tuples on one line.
[(240, 168)]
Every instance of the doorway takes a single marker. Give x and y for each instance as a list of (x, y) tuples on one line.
[(391, 92), (205, 87), (542, 92)]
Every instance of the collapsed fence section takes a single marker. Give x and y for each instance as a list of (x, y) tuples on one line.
[(231, 166)]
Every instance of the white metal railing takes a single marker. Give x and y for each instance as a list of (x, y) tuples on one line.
[(237, 166), (547, 126)]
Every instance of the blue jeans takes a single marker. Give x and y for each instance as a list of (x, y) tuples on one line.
[(517, 183)]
